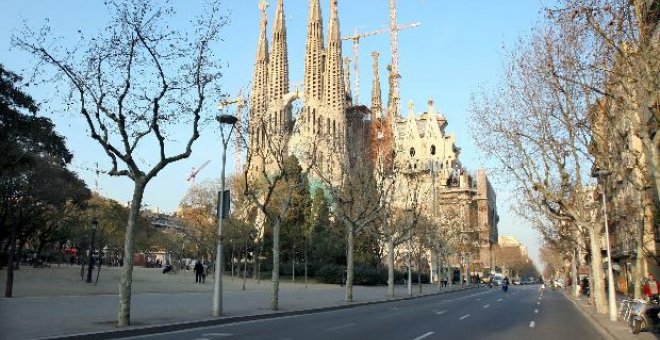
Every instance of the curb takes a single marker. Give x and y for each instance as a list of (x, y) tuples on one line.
[(148, 330), (602, 329)]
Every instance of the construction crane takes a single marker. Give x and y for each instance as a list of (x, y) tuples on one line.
[(194, 172), (240, 103), (355, 38), (97, 173)]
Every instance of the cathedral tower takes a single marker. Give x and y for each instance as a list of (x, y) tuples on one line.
[(279, 117), (259, 96), (331, 126)]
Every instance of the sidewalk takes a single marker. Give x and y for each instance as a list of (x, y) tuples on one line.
[(54, 301), (614, 330)]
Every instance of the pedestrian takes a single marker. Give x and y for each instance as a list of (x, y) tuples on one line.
[(651, 287), (205, 268), (585, 286), (199, 269)]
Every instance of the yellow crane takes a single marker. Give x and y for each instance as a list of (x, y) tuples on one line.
[(355, 38)]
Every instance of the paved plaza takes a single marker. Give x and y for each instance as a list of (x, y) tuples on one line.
[(55, 301)]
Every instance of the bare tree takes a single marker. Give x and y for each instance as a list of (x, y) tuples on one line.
[(536, 127), (272, 177), (132, 83), (626, 37), (398, 217)]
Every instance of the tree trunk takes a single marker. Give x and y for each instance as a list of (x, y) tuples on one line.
[(350, 234), (9, 286), (390, 267), (274, 302), (574, 273), (245, 265), (438, 270), (419, 272), (293, 264), (305, 267), (638, 273), (597, 282), (232, 262), (98, 269), (126, 281)]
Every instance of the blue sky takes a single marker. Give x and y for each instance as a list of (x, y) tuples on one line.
[(457, 48)]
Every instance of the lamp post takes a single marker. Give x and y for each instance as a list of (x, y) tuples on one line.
[(95, 224), (217, 285), (611, 302)]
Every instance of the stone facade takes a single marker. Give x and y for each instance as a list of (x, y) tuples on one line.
[(331, 135)]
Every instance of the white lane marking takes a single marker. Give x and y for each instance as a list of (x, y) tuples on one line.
[(441, 312), (464, 316), (216, 334), (536, 311), (538, 303), (498, 300), (486, 306), (201, 339), (478, 299), (339, 327), (389, 315), (423, 336), (531, 324)]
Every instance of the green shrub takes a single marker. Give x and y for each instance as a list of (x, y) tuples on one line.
[(330, 273)]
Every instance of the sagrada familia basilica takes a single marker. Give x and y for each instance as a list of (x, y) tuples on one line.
[(331, 131)]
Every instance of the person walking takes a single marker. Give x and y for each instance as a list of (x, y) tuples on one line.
[(585, 286), (651, 287), (205, 269), (199, 270)]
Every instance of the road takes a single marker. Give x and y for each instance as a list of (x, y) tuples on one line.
[(522, 313)]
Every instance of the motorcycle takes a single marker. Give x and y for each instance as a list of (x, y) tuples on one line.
[(644, 315), (167, 268)]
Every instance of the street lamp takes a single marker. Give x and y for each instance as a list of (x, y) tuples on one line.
[(217, 285), (600, 174), (95, 224)]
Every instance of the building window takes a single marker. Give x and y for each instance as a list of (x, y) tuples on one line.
[(412, 152), (432, 149)]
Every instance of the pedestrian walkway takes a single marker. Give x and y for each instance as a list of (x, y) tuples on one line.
[(55, 302), (614, 330)]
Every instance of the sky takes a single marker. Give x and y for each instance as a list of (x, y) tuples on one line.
[(457, 48)]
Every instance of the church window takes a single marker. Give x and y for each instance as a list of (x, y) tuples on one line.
[(328, 127), (432, 149), (412, 152)]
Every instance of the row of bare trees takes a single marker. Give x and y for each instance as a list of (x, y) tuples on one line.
[(577, 92), (145, 93)]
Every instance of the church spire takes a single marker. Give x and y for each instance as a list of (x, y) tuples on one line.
[(259, 97), (278, 70), (313, 78), (347, 81), (376, 100), (278, 73), (334, 97)]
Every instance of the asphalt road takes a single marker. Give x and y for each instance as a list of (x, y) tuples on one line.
[(522, 313)]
